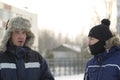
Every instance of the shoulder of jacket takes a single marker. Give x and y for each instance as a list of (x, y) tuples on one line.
[(1, 53), (35, 54), (90, 60), (2, 56)]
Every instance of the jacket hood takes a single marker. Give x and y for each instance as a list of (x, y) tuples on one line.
[(17, 23), (114, 41)]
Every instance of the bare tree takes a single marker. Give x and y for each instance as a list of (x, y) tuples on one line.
[(109, 6), (46, 40)]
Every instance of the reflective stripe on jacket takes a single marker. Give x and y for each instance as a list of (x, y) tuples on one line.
[(105, 66), (31, 66)]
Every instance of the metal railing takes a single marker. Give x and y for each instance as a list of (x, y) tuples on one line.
[(66, 66)]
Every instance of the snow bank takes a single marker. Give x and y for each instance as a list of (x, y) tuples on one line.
[(71, 77)]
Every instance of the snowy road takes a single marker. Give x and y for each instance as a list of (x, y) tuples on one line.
[(72, 77)]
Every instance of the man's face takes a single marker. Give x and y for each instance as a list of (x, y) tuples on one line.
[(18, 38), (92, 41)]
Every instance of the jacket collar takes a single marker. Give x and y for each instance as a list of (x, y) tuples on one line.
[(17, 51), (107, 54)]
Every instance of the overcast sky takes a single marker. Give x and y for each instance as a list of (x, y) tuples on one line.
[(66, 16)]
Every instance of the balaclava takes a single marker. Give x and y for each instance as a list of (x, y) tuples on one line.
[(102, 33)]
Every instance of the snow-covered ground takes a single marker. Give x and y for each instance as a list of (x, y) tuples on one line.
[(71, 77)]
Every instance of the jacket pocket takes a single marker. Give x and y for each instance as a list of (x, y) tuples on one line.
[(92, 72)]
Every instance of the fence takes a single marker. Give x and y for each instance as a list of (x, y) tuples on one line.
[(66, 66)]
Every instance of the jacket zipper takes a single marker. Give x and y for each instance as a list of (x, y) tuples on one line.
[(100, 64)]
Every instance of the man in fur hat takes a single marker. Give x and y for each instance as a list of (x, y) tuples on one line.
[(105, 47), (17, 60)]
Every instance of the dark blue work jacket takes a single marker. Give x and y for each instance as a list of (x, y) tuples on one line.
[(19, 63), (104, 66)]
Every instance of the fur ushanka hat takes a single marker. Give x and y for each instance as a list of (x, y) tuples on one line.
[(17, 23)]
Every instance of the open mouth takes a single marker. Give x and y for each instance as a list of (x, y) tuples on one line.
[(20, 41)]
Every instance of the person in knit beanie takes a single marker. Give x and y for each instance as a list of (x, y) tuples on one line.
[(101, 33), (104, 45), (18, 61)]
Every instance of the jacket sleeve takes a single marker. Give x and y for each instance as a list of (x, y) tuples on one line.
[(45, 72), (86, 74), (119, 75)]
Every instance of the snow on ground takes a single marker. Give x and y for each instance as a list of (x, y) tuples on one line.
[(71, 77)]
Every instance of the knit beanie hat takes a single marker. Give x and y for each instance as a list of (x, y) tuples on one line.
[(101, 31), (14, 24)]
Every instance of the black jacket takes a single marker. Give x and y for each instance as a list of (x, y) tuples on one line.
[(22, 63)]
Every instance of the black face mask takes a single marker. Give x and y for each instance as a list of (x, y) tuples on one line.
[(97, 48)]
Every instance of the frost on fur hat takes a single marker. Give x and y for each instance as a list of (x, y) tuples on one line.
[(17, 23), (102, 31)]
